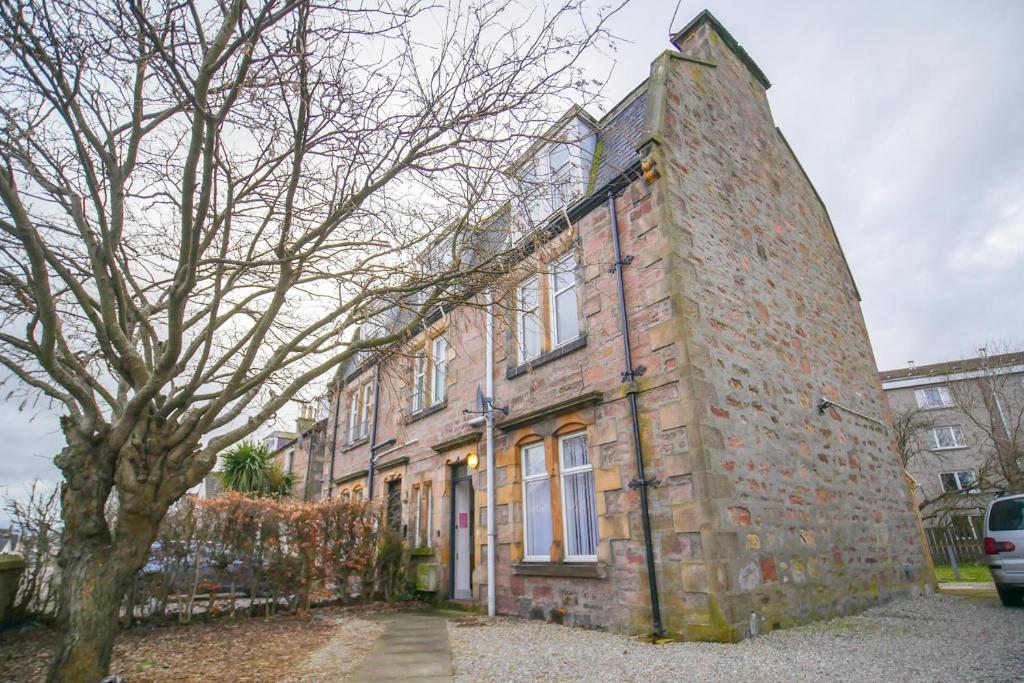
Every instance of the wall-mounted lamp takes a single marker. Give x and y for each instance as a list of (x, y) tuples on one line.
[(472, 461)]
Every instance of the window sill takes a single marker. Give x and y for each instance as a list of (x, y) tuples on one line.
[(554, 354), (936, 407), (948, 448), (561, 570), (429, 410), (352, 445)]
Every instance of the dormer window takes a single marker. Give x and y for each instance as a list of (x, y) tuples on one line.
[(558, 172)]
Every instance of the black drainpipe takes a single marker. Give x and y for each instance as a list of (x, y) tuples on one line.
[(628, 378), (373, 431), (334, 441)]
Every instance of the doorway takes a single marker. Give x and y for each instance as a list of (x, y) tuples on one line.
[(461, 534)]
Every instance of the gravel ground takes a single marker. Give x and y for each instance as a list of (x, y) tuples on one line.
[(940, 638)]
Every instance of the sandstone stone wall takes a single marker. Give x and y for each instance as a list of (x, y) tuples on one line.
[(743, 313), (801, 515)]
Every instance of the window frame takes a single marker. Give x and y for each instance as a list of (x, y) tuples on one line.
[(954, 431), (944, 394), (353, 414), (527, 557), (428, 491), (553, 294), (419, 381), (416, 526), (563, 472), (436, 375), (366, 401), (521, 319), (960, 486)]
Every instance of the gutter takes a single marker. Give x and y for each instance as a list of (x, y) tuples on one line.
[(629, 382)]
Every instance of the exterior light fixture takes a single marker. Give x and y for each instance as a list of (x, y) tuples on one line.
[(472, 461)]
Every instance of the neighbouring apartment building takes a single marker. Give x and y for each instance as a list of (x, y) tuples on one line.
[(741, 312), (965, 415)]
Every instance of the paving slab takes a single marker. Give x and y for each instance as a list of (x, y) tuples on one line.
[(413, 647)]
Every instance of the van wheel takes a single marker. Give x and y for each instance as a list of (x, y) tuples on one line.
[(1010, 596)]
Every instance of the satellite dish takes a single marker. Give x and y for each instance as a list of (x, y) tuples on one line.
[(480, 401)]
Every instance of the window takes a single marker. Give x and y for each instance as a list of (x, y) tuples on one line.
[(579, 503), (1007, 515), (428, 523), (529, 319), (558, 297), (424, 529), (359, 403), (439, 372), (963, 480), (364, 414), (357, 493), (419, 374), (945, 438), (536, 504), (353, 415), (416, 520), (394, 505), (565, 324), (933, 397)]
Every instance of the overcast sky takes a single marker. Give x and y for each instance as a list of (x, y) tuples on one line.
[(909, 118)]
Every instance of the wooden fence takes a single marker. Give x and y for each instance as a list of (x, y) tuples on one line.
[(950, 546)]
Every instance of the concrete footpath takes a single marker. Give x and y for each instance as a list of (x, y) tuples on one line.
[(413, 647)]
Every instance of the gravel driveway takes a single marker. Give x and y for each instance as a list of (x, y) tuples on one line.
[(939, 638)]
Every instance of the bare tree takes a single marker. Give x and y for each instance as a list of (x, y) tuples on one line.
[(989, 394), (200, 200), (36, 516), (908, 425)]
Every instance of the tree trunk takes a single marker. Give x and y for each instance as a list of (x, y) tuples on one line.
[(95, 576), (90, 597), (97, 564)]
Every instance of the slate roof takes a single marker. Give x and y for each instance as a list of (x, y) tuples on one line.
[(617, 138)]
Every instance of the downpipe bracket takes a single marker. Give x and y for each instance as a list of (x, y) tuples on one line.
[(626, 260), (638, 483)]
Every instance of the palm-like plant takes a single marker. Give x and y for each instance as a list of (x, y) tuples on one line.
[(250, 468)]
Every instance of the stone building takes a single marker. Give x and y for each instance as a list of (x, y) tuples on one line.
[(302, 453), (965, 412), (741, 312)]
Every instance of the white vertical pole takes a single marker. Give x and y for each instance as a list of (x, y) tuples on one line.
[(492, 533)]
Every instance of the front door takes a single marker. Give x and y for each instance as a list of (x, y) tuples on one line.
[(462, 533)]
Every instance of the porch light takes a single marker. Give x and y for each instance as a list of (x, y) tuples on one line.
[(472, 461)]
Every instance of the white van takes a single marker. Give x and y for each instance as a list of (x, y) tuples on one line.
[(1004, 546)]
